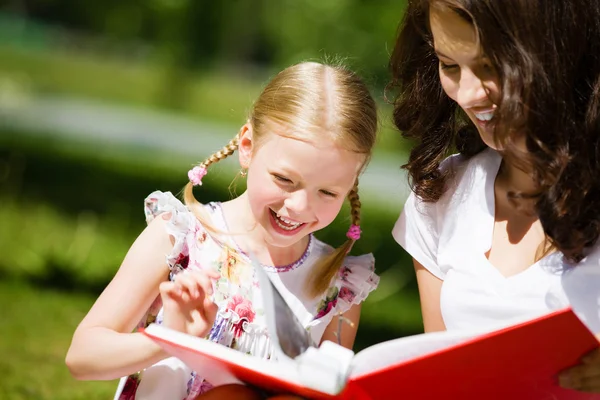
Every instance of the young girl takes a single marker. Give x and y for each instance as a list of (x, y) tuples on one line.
[(507, 229), (308, 137)]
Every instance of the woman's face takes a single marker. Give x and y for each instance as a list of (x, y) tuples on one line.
[(466, 74)]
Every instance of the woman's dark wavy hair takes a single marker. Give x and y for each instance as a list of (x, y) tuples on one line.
[(547, 55)]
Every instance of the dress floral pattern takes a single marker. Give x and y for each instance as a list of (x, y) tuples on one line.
[(240, 322)]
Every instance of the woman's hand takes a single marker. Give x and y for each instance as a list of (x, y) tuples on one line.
[(584, 377), (187, 302)]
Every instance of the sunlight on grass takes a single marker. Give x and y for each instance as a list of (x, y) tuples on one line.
[(32, 236), (36, 331)]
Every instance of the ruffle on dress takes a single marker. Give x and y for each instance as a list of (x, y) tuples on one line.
[(180, 225), (355, 280)]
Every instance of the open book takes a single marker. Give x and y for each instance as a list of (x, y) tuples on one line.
[(517, 362)]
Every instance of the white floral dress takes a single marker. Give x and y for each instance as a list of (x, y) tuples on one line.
[(240, 322)]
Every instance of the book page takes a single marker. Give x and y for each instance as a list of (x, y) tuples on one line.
[(395, 351), (289, 337), (323, 368)]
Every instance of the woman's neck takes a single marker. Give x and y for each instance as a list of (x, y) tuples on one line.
[(251, 237), (515, 180)]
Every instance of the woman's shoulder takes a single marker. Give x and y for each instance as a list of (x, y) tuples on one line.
[(466, 172), (466, 179)]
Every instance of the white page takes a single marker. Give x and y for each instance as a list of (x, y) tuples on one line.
[(395, 351)]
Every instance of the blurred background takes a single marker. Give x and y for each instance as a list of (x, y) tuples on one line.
[(103, 102)]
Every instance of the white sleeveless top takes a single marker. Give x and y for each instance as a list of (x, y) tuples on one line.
[(450, 239)]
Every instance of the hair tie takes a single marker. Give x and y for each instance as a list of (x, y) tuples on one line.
[(354, 232), (196, 174)]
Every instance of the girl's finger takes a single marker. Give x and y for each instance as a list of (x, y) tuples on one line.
[(188, 283), (169, 289), (212, 273), (210, 310), (203, 281)]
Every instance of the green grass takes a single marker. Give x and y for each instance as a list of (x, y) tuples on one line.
[(35, 331), (41, 243)]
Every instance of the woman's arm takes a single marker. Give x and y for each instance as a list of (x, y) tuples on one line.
[(103, 346), (430, 288), (345, 326)]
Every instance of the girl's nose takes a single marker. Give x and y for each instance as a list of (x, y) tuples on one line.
[(297, 202)]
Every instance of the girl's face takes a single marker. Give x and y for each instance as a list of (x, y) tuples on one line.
[(296, 187), (466, 74)]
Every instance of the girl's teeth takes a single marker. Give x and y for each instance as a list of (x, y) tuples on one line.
[(291, 225)]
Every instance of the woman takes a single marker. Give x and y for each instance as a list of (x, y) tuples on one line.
[(508, 228)]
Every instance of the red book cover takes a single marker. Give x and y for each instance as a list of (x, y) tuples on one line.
[(517, 362)]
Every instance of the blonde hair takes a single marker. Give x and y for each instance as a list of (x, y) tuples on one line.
[(311, 97)]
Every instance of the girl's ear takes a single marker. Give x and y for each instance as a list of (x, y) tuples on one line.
[(245, 145)]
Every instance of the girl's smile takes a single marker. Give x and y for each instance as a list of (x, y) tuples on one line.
[(284, 225)]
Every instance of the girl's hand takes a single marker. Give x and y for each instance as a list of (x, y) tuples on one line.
[(584, 377), (187, 302)]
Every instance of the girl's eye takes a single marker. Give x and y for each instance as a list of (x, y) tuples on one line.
[(282, 178), (328, 193)]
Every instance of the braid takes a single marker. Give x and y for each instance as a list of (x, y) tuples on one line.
[(329, 266), (222, 154), (354, 204), (188, 192)]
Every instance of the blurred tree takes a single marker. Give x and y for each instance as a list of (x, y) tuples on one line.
[(357, 30), (186, 39), (193, 35)]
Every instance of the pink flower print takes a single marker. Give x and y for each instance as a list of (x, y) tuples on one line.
[(344, 272), (242, 307), (183, 260), (346, 294), (328, 303), (202, 237), (323, 311)]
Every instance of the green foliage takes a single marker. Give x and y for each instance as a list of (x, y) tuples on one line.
[(201, 34)]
